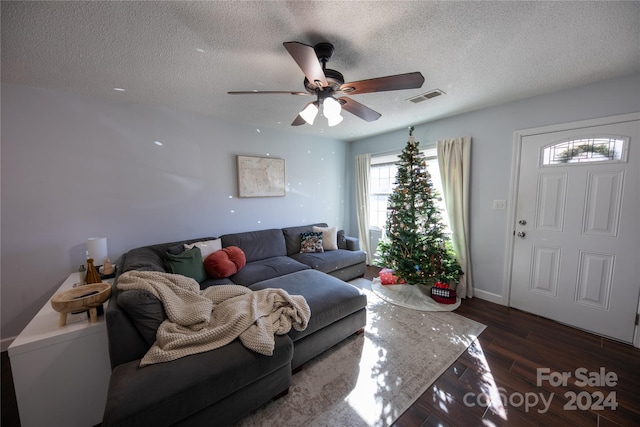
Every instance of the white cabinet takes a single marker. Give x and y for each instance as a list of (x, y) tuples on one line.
[(61, 373)]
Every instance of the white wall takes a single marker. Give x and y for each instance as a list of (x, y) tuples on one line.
[(75, 167), (492, 131)]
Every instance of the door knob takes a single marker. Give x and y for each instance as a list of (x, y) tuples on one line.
[(521, 234), (522, 222)]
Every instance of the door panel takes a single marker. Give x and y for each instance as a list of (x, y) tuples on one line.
[(604, 198), (552, 190), (576, 249), (595, 274), (545, 270)]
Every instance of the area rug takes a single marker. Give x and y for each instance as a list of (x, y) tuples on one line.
[(410, 296), (372, 378)]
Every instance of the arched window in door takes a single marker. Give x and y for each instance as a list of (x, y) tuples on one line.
[(587, 149)]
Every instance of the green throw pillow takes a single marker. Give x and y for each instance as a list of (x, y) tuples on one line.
[(188, 263)]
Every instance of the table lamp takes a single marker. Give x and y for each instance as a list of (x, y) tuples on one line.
[(97, 249)]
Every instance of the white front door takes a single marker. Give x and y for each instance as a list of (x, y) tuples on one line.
[(576, 249)]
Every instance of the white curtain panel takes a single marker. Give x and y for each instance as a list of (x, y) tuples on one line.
[(363, 167), (454, 157)]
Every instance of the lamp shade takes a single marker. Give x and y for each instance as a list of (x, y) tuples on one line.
[(331, 108), (97, 249), (334, 120), (309, 113)]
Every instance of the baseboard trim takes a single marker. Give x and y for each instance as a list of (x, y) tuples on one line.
[(5, 343), (488, 296)]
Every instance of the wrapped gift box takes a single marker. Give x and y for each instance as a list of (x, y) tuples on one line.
[(387, 277), (443, 295)]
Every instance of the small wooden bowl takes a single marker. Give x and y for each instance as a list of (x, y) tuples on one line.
[(85, 297)]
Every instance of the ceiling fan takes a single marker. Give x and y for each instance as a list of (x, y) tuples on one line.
[(324, 83)]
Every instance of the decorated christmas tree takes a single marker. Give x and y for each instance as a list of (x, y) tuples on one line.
[(415, 246)]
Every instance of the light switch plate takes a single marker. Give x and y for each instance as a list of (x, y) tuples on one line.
[(499, 205)]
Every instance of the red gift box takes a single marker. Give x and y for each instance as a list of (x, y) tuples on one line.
[(443, 295), (387, 277)]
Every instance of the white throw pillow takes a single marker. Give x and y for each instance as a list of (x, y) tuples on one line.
[(206, 248), (329, 237)]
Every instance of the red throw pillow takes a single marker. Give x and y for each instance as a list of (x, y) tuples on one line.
[(218, 265), (236, 255), (225, 262)]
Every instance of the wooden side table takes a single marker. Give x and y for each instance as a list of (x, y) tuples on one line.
[(61, 373)]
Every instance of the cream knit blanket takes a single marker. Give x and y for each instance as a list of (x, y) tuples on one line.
[(202, 320)]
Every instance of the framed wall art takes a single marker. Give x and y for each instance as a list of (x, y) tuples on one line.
[(260, 177)]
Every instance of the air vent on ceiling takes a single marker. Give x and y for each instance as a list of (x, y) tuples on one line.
[(431, 94)]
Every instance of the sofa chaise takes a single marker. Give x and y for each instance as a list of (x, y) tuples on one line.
[(220, 386)]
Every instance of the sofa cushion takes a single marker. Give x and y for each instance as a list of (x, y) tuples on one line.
[(206, 248), (218, 265), (188, 263), (225, 262), (146, 258), (166, 393), (266, 269), (237, 256), (153, 257), (311, 242), (342, 240), (329, 237), (257, 245), (292, 236), (329, 299), (145, 311), (176, 249), (331, 261)]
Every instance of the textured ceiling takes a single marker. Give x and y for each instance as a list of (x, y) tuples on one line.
[(187, 55)]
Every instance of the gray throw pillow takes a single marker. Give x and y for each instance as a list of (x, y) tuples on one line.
[(342, 240), (175, 249)]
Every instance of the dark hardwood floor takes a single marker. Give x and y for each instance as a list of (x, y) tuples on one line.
[(491, 383)]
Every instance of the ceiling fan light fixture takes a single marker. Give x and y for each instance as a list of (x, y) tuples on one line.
[(334, 120), (310, 112), (331, 107)]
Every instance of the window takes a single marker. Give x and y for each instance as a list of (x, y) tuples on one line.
[(586, 150), (382, 181)]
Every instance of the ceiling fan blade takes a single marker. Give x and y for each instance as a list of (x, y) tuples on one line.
[(266, 92), (305, 57), (298, 121), (362, 111), (380, 84)]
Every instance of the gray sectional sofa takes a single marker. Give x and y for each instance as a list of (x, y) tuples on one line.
[(220, 386)]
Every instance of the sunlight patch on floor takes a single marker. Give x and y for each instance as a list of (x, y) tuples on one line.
[(490, 395), (371, 406)]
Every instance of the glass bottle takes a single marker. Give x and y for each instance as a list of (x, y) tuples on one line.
[(82, 272)]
